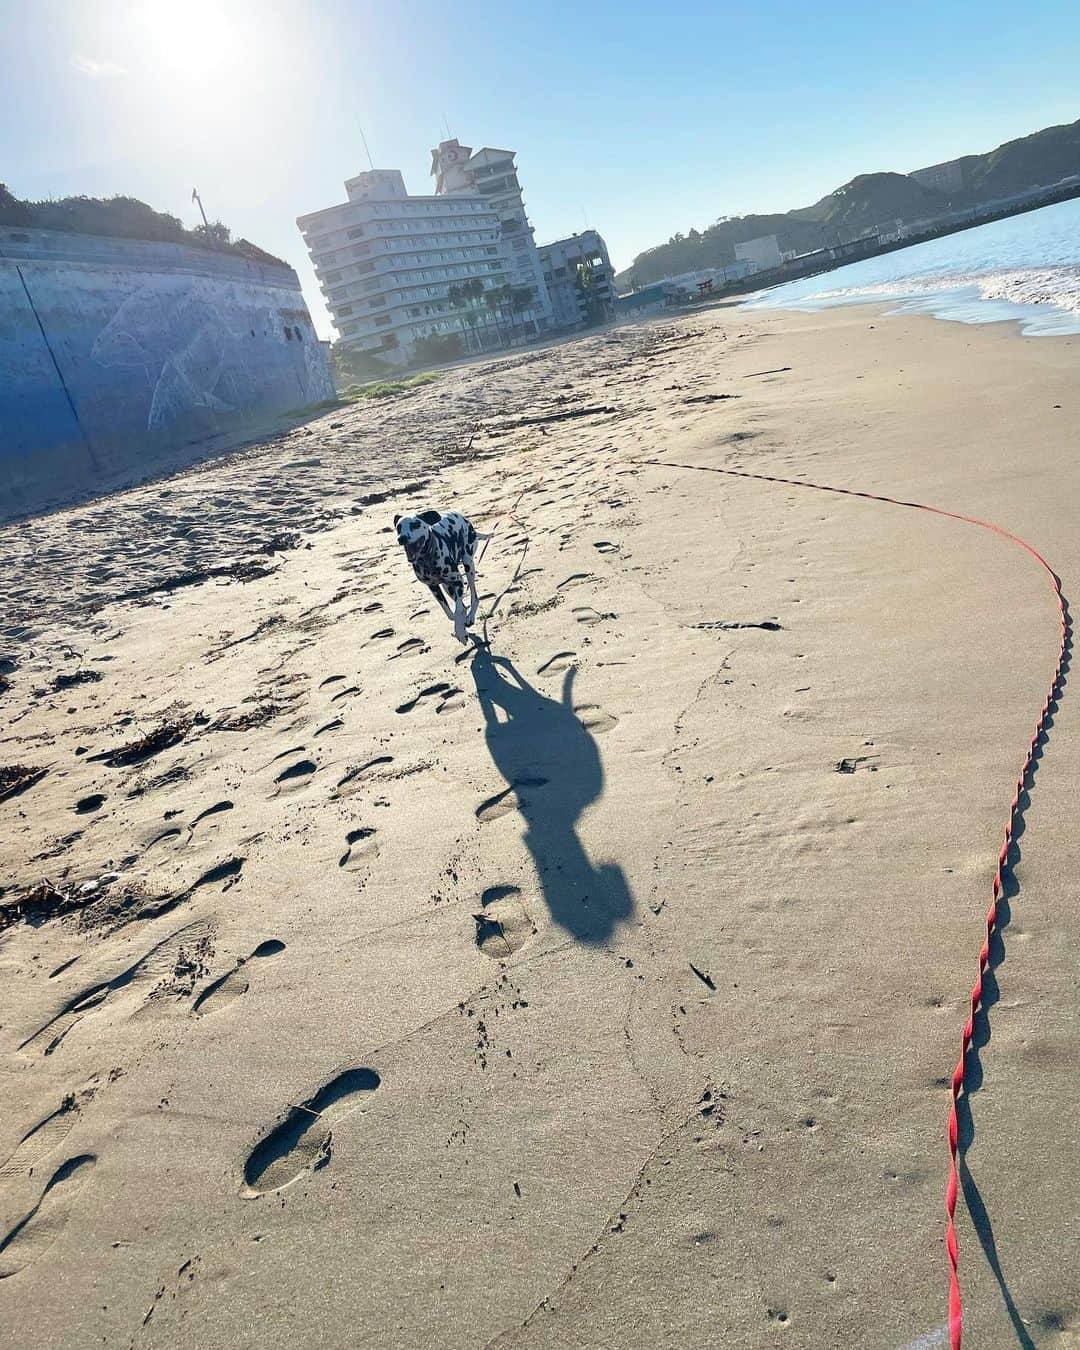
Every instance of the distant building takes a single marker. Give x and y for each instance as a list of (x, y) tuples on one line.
[(649, 300), (692, 282), (462, 262), (579, 279), (492, 173), (761, 253), (386, 262)]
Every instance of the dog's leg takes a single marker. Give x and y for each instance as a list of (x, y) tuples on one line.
[(474, 599), (436, 591), (459, 610)]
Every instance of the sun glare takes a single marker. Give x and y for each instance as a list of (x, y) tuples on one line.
[(192, 37)]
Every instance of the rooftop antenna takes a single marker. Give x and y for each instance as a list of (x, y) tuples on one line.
[(446, 124), (366, 150), (585, 217)]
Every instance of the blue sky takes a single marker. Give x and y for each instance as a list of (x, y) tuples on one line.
[(644, 120)]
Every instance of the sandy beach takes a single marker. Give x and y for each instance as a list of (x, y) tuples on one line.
[(601, 987)]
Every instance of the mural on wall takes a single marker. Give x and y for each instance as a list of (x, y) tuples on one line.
[(189, 330), (195, 360), (112, 368)]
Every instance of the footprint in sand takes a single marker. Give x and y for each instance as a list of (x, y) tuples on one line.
[(331, 679), (594, 718), (284, 754), (504, 924), (36, 1232), (346, 693), (510, 799), (160, 837), (42, 1138), (382, 633), (410, 647), (576, 579), (354, 779), (429, 692), (586, 614), (454, 701), (87, 805), (559, 662), (296, 775), (605, 546), (361, 849), (234, 982), (335, 725), (159, 961), (217, 809), (301, 1142)]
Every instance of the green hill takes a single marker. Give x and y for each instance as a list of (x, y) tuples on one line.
[(867, 202)]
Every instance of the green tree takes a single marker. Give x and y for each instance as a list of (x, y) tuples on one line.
[(585, 285)]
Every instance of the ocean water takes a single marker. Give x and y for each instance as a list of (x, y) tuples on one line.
[(1025, 268)]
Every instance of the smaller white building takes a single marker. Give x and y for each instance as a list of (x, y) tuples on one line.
[(761, 253), (579, 279)]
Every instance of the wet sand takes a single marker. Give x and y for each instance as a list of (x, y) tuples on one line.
[(601, 987)]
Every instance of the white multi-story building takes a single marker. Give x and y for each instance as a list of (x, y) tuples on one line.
[(458, 169), (391, 265), (579, 279), (762, 253)]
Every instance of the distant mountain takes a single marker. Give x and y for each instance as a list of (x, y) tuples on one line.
[(872, 200)]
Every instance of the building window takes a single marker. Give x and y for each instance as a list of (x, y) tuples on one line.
[(382, 320), (345, 309), (357, 233)]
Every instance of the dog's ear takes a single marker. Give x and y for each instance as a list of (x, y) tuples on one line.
[(396, 519), (430, 517)]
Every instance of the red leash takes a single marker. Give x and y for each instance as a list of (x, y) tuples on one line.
[(956, 1313)]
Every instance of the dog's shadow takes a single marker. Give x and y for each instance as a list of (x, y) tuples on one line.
[(553, 765)]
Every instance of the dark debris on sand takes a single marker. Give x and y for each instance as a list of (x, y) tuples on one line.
[(76, 677), (169, 733), (16, 778), (238, 571), (256, 717), (99, 903)]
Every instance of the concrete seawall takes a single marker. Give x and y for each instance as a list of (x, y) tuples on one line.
[(121, 358)]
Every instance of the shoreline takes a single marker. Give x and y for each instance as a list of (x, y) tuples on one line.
[(626, 964), (910, 306)]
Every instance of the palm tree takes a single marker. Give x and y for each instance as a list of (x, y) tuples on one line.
[(521, 298), (459, 298), (594, 306), (493, 299)]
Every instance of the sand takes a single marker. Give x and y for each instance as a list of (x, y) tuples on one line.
[(599, 988)]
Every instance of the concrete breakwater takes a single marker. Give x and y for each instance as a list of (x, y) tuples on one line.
[(121, 358)]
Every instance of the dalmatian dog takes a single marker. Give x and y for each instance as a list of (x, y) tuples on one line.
[(439, 547)]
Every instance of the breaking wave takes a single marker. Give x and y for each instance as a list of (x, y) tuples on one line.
[(1026, 269)]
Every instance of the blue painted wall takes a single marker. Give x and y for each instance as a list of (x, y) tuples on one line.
[(120, 358)]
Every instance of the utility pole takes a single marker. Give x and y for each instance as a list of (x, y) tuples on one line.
[(196, 198)]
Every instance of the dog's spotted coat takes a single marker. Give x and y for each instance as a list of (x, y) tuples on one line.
[(439, 547)]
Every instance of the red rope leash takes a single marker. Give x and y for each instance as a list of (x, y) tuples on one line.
[(952, 1189)]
